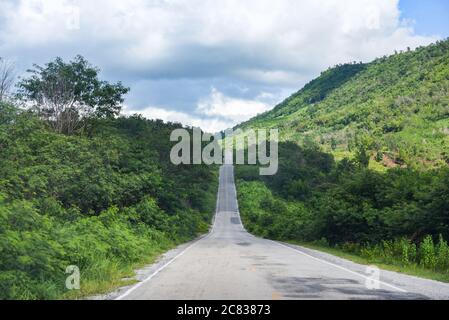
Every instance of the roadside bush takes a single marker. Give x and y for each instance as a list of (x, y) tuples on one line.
[(427, 254), (105, 201), (406, 253), (442, 250)]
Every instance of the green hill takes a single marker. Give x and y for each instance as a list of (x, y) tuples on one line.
[(362, 164), (397, 107)]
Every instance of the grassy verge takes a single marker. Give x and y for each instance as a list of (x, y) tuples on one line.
[(396, 266), (105, 276), (109, 276)]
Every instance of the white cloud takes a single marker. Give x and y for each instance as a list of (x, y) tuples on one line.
[(214, 113), (273, 41), (256, 43), (211, 125), (236, 110)]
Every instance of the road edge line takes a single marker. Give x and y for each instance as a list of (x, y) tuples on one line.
[(318, 259), (138, 285), (340, 267), (135, 287)]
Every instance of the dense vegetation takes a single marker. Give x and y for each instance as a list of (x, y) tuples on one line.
[(392, 111), (313, 198), (397, 107), (104, 198)]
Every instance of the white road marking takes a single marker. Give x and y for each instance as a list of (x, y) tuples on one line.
[(135, 287), (127, 293), (149, 278), (326, 262), (340, 267)]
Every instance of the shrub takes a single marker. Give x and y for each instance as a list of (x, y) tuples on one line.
[(102, 202), (427, 253), (442, 262)]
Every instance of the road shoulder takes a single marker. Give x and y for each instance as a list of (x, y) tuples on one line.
[(429, 288), (144, 273)]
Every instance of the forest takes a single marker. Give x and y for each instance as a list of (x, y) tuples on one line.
[(397, 107), (342, 204), (81, 185)]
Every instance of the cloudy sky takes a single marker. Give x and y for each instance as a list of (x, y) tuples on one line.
[(213, 63)]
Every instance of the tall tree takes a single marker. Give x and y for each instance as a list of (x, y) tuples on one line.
[(66, 93)]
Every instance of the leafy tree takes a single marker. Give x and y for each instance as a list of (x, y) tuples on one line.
[(103, 203), (66, 93), (362, 156), (334, 144)]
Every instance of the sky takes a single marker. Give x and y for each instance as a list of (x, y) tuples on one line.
[(214, 64)]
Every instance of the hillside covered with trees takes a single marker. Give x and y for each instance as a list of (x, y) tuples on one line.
[(396, 108), (82, 186), (363, 164)]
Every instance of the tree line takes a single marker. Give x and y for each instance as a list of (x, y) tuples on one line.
[(82, 185), (345, 204)]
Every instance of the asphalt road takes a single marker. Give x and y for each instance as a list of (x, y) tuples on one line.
[(231, 264)]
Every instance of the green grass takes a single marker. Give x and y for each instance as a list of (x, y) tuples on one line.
[(109, 276), (413, 270)]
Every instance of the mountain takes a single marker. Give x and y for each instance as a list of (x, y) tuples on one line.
[(396, 107)]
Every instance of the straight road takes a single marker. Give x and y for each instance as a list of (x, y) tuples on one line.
[(231, 264)]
